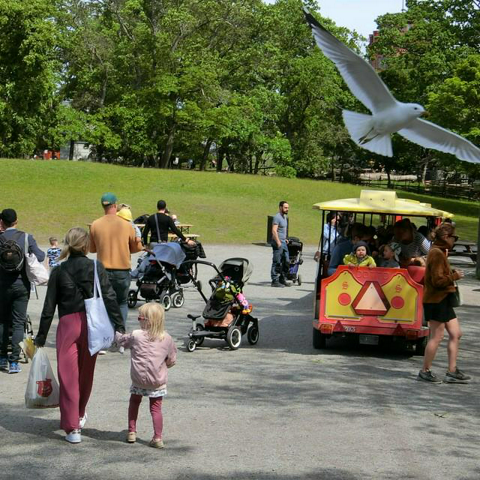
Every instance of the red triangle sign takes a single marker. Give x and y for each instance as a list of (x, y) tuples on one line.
[(371, 300)]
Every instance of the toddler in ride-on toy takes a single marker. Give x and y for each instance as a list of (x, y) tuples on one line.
[(152, 353), (359, 256)]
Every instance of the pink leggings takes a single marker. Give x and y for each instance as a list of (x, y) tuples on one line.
[(155, 410)]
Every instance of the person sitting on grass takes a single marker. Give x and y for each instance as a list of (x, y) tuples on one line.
[(360, 256)]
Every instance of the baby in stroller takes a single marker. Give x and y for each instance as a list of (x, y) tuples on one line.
[(227, 311)]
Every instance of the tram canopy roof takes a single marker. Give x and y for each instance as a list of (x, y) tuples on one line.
[(382, 201)]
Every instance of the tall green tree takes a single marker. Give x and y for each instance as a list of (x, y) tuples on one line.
[(28, 73)]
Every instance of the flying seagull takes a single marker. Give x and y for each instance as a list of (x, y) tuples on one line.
[(372, 132)]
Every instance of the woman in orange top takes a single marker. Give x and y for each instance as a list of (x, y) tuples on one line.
[(438, 300)]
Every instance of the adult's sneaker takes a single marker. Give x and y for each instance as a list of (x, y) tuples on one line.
[(278, 285), (428, 376), (75, 436), (3, 363), (102, 352), (456, 377), (14, 368), (83, 420), (286, 283)]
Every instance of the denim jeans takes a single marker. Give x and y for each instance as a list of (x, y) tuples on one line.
[(13, 313), (120, 281), (280, 261)]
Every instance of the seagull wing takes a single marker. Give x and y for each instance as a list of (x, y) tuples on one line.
[(360, 77), (429, 135)]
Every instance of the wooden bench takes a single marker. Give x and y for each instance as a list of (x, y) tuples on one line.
[(465, 249)]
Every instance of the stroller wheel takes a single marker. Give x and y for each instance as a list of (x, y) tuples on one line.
[(132, 299), (253, 334), (299, 280), (234, 337), (166, 301), (200, 340), (178, 300), (191, 345)]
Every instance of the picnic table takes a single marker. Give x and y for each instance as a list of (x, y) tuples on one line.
[(464, 248)]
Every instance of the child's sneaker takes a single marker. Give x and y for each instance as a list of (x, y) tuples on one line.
[(155, 443), (74, 436), (131, 437), (14, 368), (3, 363), (456, 377), (428, 376)]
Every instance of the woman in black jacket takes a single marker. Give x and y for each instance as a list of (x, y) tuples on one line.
[(69, 284)]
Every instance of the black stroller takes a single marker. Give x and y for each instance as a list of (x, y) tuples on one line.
[(226, 313), (295, 248), (157, 276), (189, 269)]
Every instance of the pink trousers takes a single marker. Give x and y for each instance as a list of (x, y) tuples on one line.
[(75, 369), (155, 411)]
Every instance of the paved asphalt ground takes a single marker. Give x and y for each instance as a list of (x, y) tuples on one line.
[(278, 410)]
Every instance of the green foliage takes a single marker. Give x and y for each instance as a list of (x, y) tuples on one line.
[(28, 73), (145, 81)]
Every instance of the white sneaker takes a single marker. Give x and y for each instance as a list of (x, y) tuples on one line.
[(121, 350), (102, 352), (83, 420), (74, 436)]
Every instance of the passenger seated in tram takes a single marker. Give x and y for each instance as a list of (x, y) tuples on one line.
[(360, 256), (390, 255), (414, 245), (358, 233)]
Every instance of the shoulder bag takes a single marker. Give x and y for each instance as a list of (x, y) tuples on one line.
[(100, 330), (36, 271)]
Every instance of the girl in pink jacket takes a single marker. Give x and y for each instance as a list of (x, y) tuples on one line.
[(152, 353)]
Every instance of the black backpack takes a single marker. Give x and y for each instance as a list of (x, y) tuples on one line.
[(12, 256)]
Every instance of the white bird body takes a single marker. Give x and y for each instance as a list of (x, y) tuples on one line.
[(389, 116), (395, 118)]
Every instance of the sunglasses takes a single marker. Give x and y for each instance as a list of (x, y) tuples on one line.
[(455, 237)]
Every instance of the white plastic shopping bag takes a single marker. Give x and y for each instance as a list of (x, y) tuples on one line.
[(42, 387), (100, 329)]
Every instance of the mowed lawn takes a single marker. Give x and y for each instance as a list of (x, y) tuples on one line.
[(52, 196)]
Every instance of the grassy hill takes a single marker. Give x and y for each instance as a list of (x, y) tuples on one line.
[(50, 197)]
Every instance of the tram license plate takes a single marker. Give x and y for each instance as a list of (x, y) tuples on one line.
[(368, 339)]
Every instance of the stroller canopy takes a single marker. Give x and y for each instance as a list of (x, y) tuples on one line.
[(239, 269), (170, 252)]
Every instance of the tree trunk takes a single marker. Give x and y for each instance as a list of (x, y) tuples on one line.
[(72, 150), (424, 171), (257, 163), (231, 163), (167, 153), (389, 180), (221, 156), (206, 151)]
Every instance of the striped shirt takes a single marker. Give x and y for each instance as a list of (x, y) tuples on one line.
[(419, 246)]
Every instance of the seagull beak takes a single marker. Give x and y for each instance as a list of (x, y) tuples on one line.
[(425, 114)]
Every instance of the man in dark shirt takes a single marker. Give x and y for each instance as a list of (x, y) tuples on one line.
[(14, 293), (159, 225)]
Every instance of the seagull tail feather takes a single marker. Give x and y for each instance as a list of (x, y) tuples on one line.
[(359, 127)]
